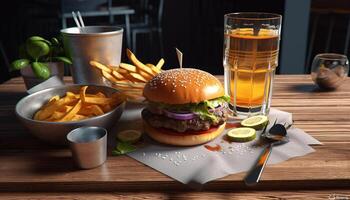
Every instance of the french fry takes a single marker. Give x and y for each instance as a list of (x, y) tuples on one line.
[(150, 65), (78, 117), (108, 76), (127, 91), (100, 94), (124, 82), (100, 66), (127, 75), (160, 64), (56, 116), (106, 108), (51, 101), (72, 112), (82, 93), (122, 88), (54, 98), (91, 110), (145, 75), (36, 115), (63, 109), (98, 100), (117, 74), (74, 107), (128, 86), (138, 63), (77, 96), (96, 110), (130, 68), (71, 94), (85, 110), (138, 77), (153, 68), (48, 111), (112, 67), (122, 71)]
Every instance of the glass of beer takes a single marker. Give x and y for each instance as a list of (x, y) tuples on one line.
[(251, 45)]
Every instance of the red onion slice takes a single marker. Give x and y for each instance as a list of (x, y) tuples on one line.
[(179, 116)]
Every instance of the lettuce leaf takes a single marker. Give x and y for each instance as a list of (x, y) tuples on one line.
[(203, 112), (123, 148), (216, 102)]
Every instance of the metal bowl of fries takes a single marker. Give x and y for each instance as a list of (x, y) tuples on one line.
[(52, 113)]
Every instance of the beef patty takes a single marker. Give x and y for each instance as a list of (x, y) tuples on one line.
[(195, 124)]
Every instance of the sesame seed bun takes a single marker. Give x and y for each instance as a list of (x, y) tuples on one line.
[(186, 139), (182, 86)]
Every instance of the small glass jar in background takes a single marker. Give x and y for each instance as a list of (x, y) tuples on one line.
[(329, 70)]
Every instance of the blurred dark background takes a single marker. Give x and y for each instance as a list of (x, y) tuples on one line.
[(156, 27)]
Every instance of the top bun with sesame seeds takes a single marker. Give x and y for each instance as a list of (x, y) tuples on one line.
[(183, 86)]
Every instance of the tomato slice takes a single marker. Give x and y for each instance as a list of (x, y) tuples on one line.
[(232, 125), (189, 132)]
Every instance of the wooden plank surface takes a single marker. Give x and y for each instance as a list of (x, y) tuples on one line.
[(30, 165), (246, 195)]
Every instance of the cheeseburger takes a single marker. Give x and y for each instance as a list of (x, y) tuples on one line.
[(185, 107)]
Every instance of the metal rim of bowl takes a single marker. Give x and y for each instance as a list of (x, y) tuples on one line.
[(68, 136), (331, 56), (117, 30), (69, 122)]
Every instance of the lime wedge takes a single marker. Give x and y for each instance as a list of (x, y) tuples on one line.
[(242, 134), (256, 122), (130, 136)]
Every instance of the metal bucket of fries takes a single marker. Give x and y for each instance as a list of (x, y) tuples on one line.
[(100, 43), (129, 78)]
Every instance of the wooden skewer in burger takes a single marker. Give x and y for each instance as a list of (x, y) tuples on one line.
[(186, 107)]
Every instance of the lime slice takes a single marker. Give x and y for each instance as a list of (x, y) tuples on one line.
[(242, 134), (256, 122), (130, 136)]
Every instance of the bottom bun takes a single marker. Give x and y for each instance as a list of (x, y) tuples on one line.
[(179, 139)]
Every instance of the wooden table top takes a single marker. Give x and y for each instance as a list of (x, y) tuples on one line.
[(29, 165)]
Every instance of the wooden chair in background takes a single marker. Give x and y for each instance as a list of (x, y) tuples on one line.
[(329, 29), (4, 64), (152, 23)]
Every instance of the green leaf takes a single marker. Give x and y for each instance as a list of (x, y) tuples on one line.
[(226, 98), (38, 38), (41, 70), (116, 153), (55, 41), (37, 48), (19, 64), (203, 112), (123, 148), (62, 59), (216, 102)]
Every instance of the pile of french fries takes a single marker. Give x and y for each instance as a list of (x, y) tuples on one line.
[(129, 78), (75, 107)]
